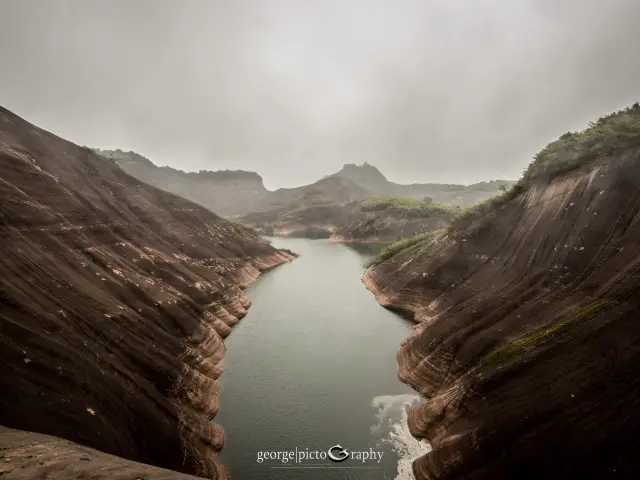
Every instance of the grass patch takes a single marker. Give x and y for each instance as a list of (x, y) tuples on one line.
[(403, 244), (409, 207), (542, 335)]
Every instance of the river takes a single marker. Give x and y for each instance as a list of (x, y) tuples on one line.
[(311, 366)]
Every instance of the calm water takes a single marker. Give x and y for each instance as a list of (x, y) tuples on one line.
[(313, 365)]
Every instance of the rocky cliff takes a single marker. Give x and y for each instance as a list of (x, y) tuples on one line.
[(527, 350), (115, 297), (225, 192)]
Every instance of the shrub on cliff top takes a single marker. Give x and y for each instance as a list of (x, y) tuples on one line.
[(615, 132)]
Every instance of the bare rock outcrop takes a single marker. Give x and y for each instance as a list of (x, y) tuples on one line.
[(115, 297), (527, 346)]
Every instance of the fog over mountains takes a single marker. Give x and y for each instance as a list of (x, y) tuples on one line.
[(237, 192), (427, 91)]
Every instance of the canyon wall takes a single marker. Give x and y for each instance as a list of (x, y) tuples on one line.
[(527, 346), (115, 297)]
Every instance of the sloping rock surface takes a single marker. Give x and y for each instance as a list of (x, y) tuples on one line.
[(114, 300), (28, 455), (528, 348)]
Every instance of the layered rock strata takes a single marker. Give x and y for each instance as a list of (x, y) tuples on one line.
[(115, 298), (527, 346)]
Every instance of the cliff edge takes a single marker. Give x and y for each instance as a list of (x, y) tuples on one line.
[(527, 346), (115, 297)]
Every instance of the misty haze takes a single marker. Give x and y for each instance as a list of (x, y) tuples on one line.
[(290, 239)]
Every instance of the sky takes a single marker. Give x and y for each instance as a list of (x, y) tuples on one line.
[(455, 91)]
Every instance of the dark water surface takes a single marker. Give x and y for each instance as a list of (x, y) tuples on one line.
[(313, 365)]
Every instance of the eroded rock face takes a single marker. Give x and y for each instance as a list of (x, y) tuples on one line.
[(527, 349), (115, 298)]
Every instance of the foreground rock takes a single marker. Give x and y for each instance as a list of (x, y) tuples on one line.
[(527, 349), (28, 455), (114, 300)]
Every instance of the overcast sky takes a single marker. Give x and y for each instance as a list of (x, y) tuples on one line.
[(455, 91)]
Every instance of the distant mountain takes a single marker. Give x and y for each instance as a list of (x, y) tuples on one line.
[(225, 192), (369, 177), (240, 193), (332, 189), (359, 205), (315, 210)]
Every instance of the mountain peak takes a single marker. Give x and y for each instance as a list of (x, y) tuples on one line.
[(366, 176)]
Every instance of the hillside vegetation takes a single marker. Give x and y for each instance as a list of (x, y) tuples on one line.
[(409, 207), (528, 337), (612, 133), (405, 243), (615, 132)]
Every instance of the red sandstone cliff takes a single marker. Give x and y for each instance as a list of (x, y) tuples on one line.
[(527, 350), (114, 300)]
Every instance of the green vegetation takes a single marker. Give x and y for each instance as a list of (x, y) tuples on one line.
[(243, 227), (403, 244), (615, 132), (470, 214), (542, 335), (409, 207)]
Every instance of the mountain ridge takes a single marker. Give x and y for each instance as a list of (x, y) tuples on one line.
[(239, 192)]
